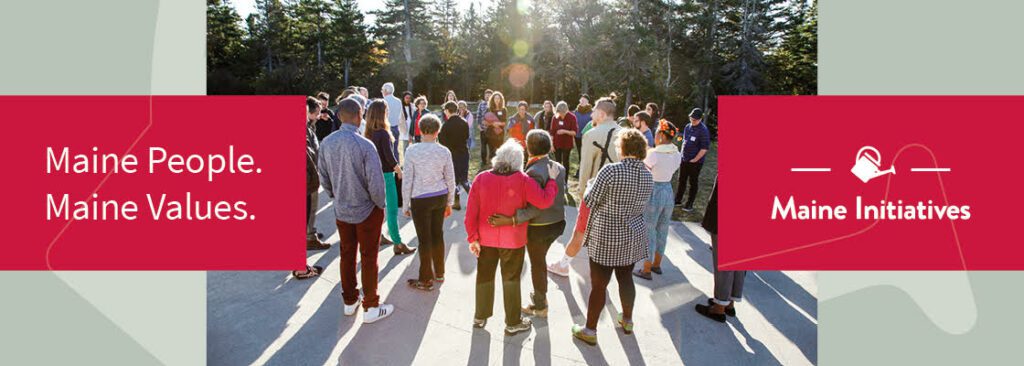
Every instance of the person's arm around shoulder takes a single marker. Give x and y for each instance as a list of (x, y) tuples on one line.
[(472, 219), (542, 198)]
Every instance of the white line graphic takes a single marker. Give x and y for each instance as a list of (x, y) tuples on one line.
[(929, 169), (810, 169)]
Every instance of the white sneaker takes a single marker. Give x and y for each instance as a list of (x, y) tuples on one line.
[(561, 267), (350, 310), (378, 313)]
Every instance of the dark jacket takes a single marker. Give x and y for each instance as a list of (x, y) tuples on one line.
[(538, 170), (710, 222), (543, 120), (454, 135), (325, 127), (382, 141), (312, 175)]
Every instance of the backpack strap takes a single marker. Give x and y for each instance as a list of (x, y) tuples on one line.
[(605, 157)]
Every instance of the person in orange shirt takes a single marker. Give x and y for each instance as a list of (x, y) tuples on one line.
[(520, 124)]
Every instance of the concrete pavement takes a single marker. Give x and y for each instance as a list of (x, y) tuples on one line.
[(270, 318)]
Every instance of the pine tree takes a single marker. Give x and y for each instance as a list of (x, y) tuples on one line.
[(794, 65), (349, 46), (402, 29), (223, 34), (445, 16), (752, 25), (578, 21)]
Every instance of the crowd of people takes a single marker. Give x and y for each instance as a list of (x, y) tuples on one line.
[(377, 158)]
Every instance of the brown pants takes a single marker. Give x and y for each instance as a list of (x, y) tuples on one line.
[(363, 238)]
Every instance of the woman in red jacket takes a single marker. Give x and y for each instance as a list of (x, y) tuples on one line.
[(502, 190)]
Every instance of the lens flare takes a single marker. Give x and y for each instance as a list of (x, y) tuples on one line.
[(519, 75), (520, 48), (523, 6)]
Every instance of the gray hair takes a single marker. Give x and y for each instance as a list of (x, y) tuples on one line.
[(388, 88), (508, 158), (562, 107), (358, 98)]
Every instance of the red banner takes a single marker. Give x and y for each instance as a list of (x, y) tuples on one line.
[(870, 183), (153, 183)]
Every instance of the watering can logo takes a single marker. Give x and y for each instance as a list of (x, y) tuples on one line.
[(867, 164)]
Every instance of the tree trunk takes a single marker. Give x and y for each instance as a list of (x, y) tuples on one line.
[(668, 63), (319, 55), (408, 47), (348, 67), (629, 101)]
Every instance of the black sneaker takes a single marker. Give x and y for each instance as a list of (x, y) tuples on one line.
[(523, 326)]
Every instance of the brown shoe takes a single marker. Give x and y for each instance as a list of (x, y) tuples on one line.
[(730, 309), (714, 311), (456, 206), (316, 244), (402, 249)]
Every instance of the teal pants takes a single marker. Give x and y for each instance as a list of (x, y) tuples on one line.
[(391, 211)]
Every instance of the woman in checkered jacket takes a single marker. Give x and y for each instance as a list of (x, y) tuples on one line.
[(616, 235)]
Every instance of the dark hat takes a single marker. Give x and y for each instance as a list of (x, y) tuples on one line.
[(696, 113)]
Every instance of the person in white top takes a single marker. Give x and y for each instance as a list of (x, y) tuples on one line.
[(428, 188), (394, 116), (663, 161)]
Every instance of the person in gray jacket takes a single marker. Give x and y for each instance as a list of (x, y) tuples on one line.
[(546, 225)]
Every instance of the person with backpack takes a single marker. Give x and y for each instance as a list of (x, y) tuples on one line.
[(598, 150)]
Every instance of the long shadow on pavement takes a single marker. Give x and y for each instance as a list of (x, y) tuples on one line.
[(784, 316), (397, 339), (250, 309), (318, 335), (480, 347), (711, 343), (768, 291)]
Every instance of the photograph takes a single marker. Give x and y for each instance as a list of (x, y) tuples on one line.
[(564, 151)]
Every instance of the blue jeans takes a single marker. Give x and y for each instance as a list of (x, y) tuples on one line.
[(657, 216)]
